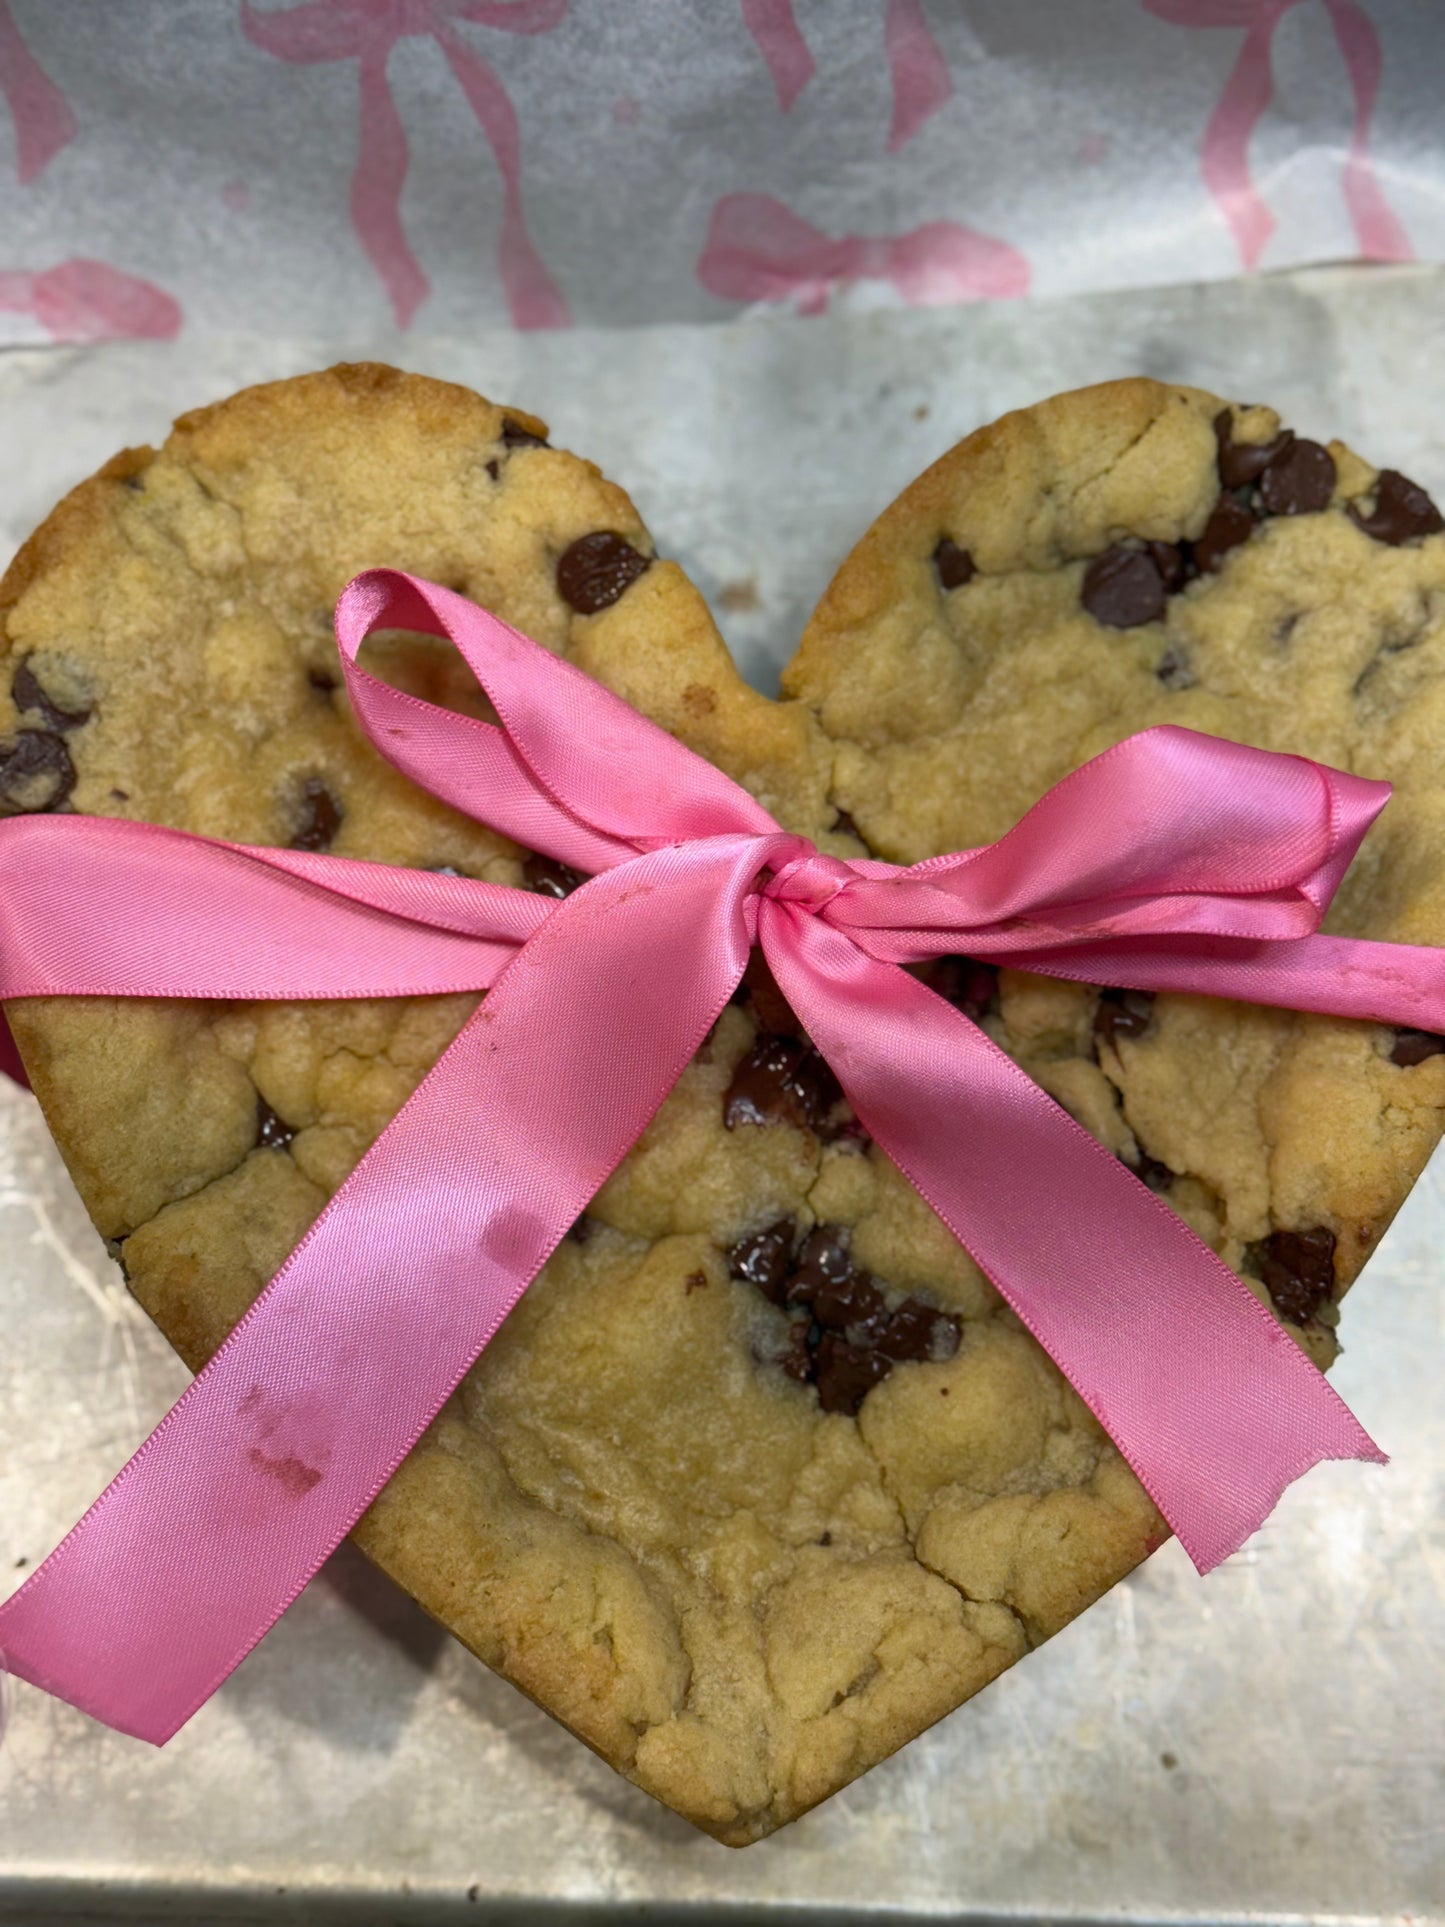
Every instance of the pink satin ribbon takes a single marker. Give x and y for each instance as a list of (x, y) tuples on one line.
[(1173, 861)]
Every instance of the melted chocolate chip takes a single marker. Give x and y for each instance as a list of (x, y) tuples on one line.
[(1298, 1269), (822, 1264), (968, 985), (321, 679), (272, 1132), (1402, 511), (774, 1013), (550, 879), (846, 1374), (1241, 463), (595, 571), (762, 1259), (31, 698), (36, 773), (1173, 670), (321, 816), (515, 436), (1299, 481), (1123, 1013), (845, 1303), (918, 1331), (954, 565), (1230, 524), (1412, 1047), (1123, 587), (783, 1081)]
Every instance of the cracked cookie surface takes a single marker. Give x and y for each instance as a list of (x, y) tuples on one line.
[(747, 1515)]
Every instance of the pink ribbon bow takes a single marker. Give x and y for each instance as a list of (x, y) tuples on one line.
[(368, 31), (757, 249), (1172, 862), (1224, 152)]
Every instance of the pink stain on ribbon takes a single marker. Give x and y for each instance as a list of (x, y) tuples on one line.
[(758, 249), (44, 122), (916, 66), (90, 301), (367, 31), (1171, 862), (1224, 154)]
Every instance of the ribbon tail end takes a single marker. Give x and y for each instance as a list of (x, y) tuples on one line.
[(1221, 1534)]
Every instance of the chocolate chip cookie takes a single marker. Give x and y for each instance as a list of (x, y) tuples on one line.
[(759, 1478), (1136, 554)]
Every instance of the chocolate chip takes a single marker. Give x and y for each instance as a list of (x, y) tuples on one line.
[(917, 1331), (595, 571), (321, 816), (1123, 587), (846, 1374), (550, 879), (968, 985), (1171, 562), (1241, 463), (515, 436), (321, 679), (1298, 481), (1412, 1047), (762, 1259), (1402, 511), (1230, 524), (799, 1359), (36, 773), (1123, 1013), (1298, 1269), (494, 469), (783, 1081), (954, 565), (30, 698), (695, 1281), (853, 1301), (272, 1132), (822, 1264), (1173, 670), (771, 1008)]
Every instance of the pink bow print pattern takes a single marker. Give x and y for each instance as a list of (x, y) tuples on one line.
[(759, 250), (1224, 153), (916, 67), (42, 115), (366, 31), (89, 301)]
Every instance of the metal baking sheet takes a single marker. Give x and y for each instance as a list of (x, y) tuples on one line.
[(1266, 1745)]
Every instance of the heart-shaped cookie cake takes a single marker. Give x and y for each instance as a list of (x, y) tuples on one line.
[(760, 1478)]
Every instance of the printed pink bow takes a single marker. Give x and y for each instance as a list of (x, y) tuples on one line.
[(366, 31), (44, 121), (916, 66), (757, 249), (1224, 155), (1171, 862)]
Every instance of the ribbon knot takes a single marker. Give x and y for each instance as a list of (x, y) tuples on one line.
[(1172, 862), (808, 880)]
